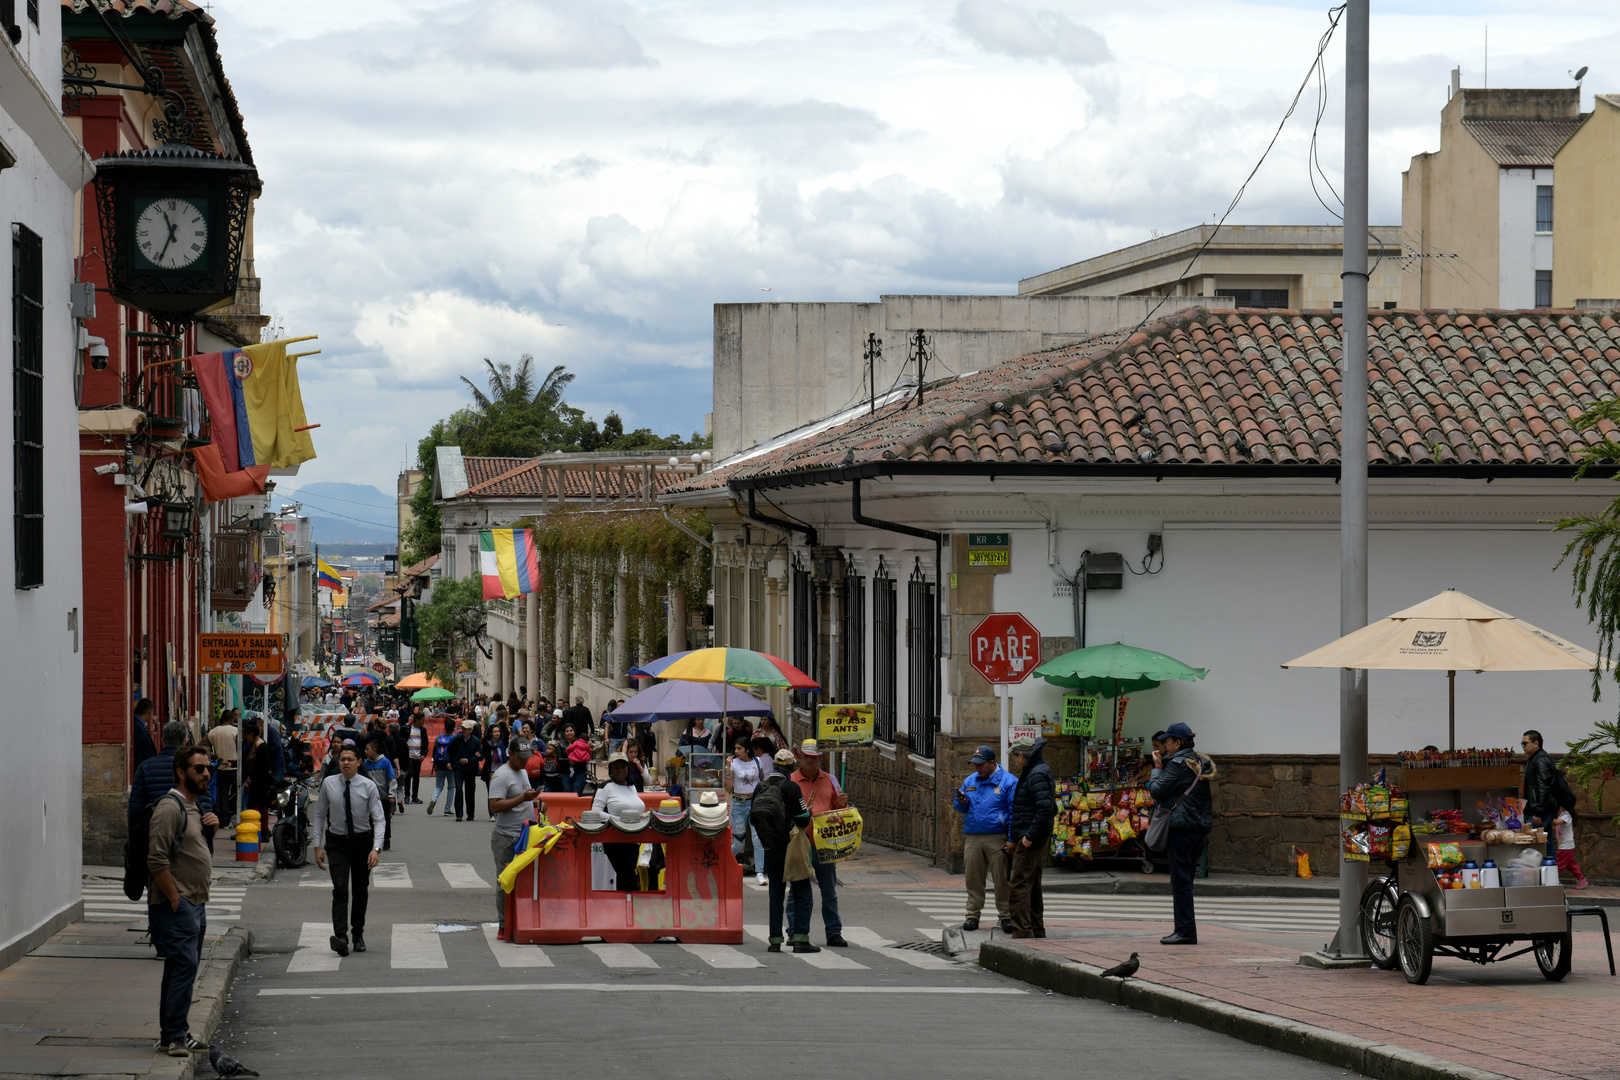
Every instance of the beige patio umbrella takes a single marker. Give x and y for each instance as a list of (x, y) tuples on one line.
[(1451, 632)]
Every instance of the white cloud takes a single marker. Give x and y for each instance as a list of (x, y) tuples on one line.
[(1040, 35), (535, 35), (429, 336)]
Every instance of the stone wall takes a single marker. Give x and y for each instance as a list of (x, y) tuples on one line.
[(106, 804)]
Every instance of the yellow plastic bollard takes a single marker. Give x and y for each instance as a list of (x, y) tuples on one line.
[(247, 837)]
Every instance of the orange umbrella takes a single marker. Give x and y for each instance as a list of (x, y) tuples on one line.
[(419, 681)]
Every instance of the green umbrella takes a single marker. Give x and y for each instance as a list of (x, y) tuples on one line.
[(1112, 670), (432, 693)]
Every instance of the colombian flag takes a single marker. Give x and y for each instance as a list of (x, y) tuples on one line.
[(255, 406), (325, 576), (509, 563)]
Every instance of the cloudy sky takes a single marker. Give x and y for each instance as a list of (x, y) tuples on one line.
[(584, 180)]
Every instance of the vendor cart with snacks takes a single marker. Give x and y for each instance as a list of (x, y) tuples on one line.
[(1471, 884), (1103, 812)]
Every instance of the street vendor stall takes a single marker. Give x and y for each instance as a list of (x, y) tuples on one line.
[(1467, 875)]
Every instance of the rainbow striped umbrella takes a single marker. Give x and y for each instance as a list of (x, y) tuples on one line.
[(740, 667)]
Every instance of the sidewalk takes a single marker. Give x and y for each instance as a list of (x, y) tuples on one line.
[(1503, 1019), (85, 1003)]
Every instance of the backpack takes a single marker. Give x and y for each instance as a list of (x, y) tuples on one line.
[(1562, 792), (139, 845), (441, 750), (769, 815)]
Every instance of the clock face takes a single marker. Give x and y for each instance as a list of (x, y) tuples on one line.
[(172, 233)]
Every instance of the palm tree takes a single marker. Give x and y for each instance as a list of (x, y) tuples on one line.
[(508, 385)]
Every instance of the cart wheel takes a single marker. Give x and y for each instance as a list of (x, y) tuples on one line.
[(1415, 943), (1378, 906), (1147, 864), (1552, 956)]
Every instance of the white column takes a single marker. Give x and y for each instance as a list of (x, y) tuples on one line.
[(675, 631), (531, 640), (565, 640), (621, 620), (498, 682)]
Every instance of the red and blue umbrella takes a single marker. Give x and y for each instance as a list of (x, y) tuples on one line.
[(360, 678), (739, 667)]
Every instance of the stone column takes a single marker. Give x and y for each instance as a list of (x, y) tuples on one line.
[(675, 629), (621, 619), (565, 639), (599, 659), (531, 642), (499, 680)]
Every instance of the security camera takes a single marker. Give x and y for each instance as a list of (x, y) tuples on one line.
[(98, 353), (135, 508), (110, 467)]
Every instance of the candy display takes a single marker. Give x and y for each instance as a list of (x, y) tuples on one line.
[(1107, 806), (1383, 807), (1456, 759)]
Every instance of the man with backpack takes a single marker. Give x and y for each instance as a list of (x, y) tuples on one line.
[(180, 865), (154, 778), (778, 806), (1546, 790)]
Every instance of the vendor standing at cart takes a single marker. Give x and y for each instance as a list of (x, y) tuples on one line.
[(1541, 790)]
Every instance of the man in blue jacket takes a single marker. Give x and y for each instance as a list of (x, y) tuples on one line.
[(985, 802)]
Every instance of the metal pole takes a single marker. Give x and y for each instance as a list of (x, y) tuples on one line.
[(1353, 455)]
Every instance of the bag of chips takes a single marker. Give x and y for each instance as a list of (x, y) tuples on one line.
[(1302, 862), (1400, 842), (1443, 856)]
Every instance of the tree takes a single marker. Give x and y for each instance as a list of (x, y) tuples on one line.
[(449, 625)]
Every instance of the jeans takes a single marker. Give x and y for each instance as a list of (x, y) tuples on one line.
[(410, 784), (1185, 849), (803, 901), (827, 881), (466, 791), (741, 811), (576, 776), (500, 845), (225, 803), (1024, 886), (444, 786), (346, 858), (178, 935)]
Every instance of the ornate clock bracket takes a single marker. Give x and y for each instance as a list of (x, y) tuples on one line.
[(175, 127)]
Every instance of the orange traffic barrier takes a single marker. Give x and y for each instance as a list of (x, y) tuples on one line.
[(552, 901)]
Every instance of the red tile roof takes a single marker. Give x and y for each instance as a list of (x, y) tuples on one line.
[(517, 478), (1252, 388)]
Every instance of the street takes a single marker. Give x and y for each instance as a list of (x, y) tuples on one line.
[(435, 992)]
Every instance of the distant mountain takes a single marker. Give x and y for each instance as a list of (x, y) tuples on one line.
[(342, 513)]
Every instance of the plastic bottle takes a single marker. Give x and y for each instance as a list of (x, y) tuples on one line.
[(1470, 875), (1489, 876), (1549, 872)]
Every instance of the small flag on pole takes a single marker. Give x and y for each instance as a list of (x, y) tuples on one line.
[(509, 564), (326, 577)]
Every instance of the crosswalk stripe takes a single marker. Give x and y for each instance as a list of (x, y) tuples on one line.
[(868, 939), (619, 955), (722, 956), (314, 952), (510, 955), (383, 876), (462, 875), (826, 959), (416, 945)]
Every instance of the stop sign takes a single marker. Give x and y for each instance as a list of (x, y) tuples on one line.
[(1005, 647)]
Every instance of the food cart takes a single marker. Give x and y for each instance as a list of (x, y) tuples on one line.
[(1420, 909)]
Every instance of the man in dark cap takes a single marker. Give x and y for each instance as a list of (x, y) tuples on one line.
[(985, 802)]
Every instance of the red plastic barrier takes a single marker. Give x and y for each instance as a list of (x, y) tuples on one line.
[(552, 902)]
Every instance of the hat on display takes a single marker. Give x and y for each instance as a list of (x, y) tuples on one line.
[(785, 757), (1178, 731), (1021, 745), (709, 814), (469, 723), (670, 817), (982, 755), (592, 821), (631, 820), (809, 748)]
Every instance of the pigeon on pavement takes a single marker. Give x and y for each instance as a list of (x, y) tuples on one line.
[(225, 1065), (1125, 970)]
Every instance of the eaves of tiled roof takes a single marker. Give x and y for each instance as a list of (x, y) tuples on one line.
[(532, 478), (1521, 143), (387, 601), (1242, 392), (418, 569)]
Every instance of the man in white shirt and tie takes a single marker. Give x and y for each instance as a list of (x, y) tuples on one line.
[(349, 822)]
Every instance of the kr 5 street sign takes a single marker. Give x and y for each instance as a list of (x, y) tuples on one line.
[(1005, 647), (240, 654)]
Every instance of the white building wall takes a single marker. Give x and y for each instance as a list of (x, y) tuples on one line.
[(1522, 251), (41, 631)]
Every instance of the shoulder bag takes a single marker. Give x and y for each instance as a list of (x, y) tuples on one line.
[(1157, 837)]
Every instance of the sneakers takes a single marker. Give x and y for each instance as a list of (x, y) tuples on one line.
[(970, 923), (177, 1048), (837, 941), (431, 804), (195, 1044), (1583, 883), (759, 879), (359, 942), (806, 947), (339, 945)]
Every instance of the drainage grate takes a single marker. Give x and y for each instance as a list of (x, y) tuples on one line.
[(933, 948)]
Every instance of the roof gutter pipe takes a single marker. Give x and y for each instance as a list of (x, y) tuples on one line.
[(780, 523), (896, 527)]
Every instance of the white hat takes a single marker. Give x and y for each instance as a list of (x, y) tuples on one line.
[(709, 812)]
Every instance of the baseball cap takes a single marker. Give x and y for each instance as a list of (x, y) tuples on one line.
[(982, 755), (519, 748), (809, 748), (1021, 745), (785, 757), (1179, 731)]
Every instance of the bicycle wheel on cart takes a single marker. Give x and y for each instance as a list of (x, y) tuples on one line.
[(1378, 907), (1415, 942), (1552, 956)]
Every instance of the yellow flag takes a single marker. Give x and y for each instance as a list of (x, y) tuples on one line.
[(275, 407)]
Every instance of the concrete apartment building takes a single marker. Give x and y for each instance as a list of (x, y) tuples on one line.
[(1585, 269), (1258, 266), (1477, 215)]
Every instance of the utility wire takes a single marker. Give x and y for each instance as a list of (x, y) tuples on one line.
[(1334, 15)]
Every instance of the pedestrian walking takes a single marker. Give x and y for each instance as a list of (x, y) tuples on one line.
[(510, 797), (1034, 808), (349, 833), (744, 774), (259, 772), (380, 771), (821, 794), (141, 731), (444, 777), (180, 866), (1180, 783), (778, 806), (416, 751), (466, 758), (985, 802), (1541, 789), (222, 739)]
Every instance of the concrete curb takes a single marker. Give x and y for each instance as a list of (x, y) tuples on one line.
[(1380, 1060), (1136, 887), (265, 869), (212, 988)]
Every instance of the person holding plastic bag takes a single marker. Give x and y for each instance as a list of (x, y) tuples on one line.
[(781, 817)]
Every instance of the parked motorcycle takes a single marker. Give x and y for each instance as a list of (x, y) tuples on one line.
[(291, 834)]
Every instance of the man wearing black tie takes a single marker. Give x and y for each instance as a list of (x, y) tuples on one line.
[(349, 819)]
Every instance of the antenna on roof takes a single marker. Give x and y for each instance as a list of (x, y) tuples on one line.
[(1578, 76)]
